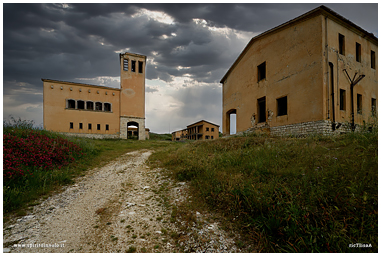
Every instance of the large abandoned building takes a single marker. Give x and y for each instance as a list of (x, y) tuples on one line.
[(201, 130), (99, 111), (314, 74)]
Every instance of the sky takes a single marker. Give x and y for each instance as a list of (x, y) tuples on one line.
[(189, 48)]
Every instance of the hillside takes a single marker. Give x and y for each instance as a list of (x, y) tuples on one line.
[(316, 194)]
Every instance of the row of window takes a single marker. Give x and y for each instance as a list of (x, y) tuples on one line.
[(133, 65), (88, 105), (207, 137), (359, 103), (207, 129), (89, 126), (358, 51)]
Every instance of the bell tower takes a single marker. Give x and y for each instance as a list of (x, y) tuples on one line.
[(132, 93)]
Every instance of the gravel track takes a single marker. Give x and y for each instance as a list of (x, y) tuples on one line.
[(123, 206)]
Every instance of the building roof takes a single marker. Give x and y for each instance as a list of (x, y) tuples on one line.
[(321, 10), (203, 121), (79, 84)]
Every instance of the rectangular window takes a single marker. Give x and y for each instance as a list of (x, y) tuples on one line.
[(262, 71), (359, 104), (125, 64), (98, 127), (140, 67), (107, 127), (282, 106), (373, 59), (341, 44), (133, 62), (207, 129), (358, 52), (374, 107), (212, 129), (342, 99), (89, 126), (211, 137), (262, 110), (71, 125), (80, 126), (206, 137)]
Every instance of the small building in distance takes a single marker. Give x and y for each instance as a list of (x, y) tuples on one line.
[(313, 74), (98, 111), (202, 130), (179, 135)]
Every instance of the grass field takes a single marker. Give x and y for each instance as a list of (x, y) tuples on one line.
[(317, 194)]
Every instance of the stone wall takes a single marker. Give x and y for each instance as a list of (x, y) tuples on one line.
[(92, 136), (124, 120)]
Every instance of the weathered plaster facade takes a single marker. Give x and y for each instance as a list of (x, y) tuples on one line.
[(179, 135), (293, 75), (97, 111), (202, 130)]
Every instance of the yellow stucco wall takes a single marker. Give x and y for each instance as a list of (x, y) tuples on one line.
[(132, 86), (57, 116), (201, 128), (297, 68)]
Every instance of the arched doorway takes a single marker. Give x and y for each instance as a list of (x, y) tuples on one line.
[(133, 130), (231, 122)]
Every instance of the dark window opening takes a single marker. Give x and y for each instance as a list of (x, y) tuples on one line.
[(211, 137), (372, 59), (89, 126), (71, 125), (207, 129), (212, 129), (125, 64), (71, 104), (282, 106), (206, 137), (80, 126), (89, 105), (341, 44), (262, 71), (133, 62), (359, 103), (262, 110), (98, 106), (374, 108), (98, 127), (342, 99), (107, 107), (107, 127), (358, 52), (140, 67), (80, 104)]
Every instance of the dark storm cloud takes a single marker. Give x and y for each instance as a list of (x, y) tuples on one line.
[(81, 42)]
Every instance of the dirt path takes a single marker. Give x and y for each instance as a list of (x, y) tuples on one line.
[(122, 207)]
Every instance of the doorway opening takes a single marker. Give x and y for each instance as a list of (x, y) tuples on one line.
[(133, 130), (231, 122)]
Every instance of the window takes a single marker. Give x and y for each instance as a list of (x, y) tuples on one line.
[(282, 106), (342, 99), (107, 107), (374, 107), (211, 137), (90, 105), (262, 71), (341, 44), (359, 104), (262, 110), (206, 137), (358, 52), (140, 67), (125, 64), (98, 106), (71, 104), (207, 129), (80, 104), (373, 59), (98, 127), (133, 62), (212, 129), (89, 126), (107, 127), (80, 126), (71, 125)]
